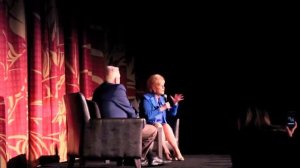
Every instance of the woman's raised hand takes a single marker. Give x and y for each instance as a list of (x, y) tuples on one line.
[(177, 98)]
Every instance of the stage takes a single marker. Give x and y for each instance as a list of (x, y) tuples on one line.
[(191, 161)]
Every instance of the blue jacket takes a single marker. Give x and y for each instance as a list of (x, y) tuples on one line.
[(113, 101), (151, 107)]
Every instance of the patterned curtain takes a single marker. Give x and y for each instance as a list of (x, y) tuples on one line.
[(44, 55), (13, 80), (46, 74)]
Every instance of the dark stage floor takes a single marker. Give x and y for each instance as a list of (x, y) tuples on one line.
[(191, 161)]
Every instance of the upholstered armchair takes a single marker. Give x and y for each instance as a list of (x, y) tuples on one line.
[(91, 137)]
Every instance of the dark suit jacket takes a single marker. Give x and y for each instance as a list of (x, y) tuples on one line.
[(113, 101)]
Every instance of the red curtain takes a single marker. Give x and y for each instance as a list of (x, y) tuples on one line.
[(13, 80), (41, 59)]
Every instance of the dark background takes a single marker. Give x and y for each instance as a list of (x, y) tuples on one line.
[(221, 64), (221, 57)]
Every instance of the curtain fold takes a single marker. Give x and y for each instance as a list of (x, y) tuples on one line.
[(13, 78), (2, 133), (47, 80)]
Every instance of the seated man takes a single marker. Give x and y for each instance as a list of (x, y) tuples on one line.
[(112, 100)]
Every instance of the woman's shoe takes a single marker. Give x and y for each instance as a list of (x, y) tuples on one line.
[(179, 158), (168, 157)]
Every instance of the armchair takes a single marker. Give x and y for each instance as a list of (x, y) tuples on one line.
[(91, 137)]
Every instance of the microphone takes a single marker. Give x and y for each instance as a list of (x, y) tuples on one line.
[(165, 97)]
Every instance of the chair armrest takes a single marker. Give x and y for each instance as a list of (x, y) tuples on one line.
[(159, 142), (114, 137), (176, 130)]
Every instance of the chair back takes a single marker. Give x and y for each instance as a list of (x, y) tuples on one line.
[(77, 117), (94, 109)]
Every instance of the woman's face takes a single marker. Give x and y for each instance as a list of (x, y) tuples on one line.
[(159, 87)]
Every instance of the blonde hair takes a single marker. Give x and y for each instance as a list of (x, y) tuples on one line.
[(153, 80)]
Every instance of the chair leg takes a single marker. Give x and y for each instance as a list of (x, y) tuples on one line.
[(71, 161), (137, 163)]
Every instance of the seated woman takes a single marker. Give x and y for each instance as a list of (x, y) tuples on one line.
[(156, 110)]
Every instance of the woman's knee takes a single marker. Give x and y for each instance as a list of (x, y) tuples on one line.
[(158, 125)]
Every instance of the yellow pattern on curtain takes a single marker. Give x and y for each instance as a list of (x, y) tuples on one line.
[(43, 56)]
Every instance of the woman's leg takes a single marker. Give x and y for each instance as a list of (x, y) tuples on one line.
[(164, 145), (172, 140)]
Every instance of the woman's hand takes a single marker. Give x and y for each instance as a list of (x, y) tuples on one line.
[(291, 131), (177, 98), (164, 107)]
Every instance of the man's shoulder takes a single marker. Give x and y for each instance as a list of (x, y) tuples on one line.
[(106, 85), (120, 86), (101, 85)]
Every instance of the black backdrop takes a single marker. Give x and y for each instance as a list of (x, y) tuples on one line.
[(221, 66), (221, 58)]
